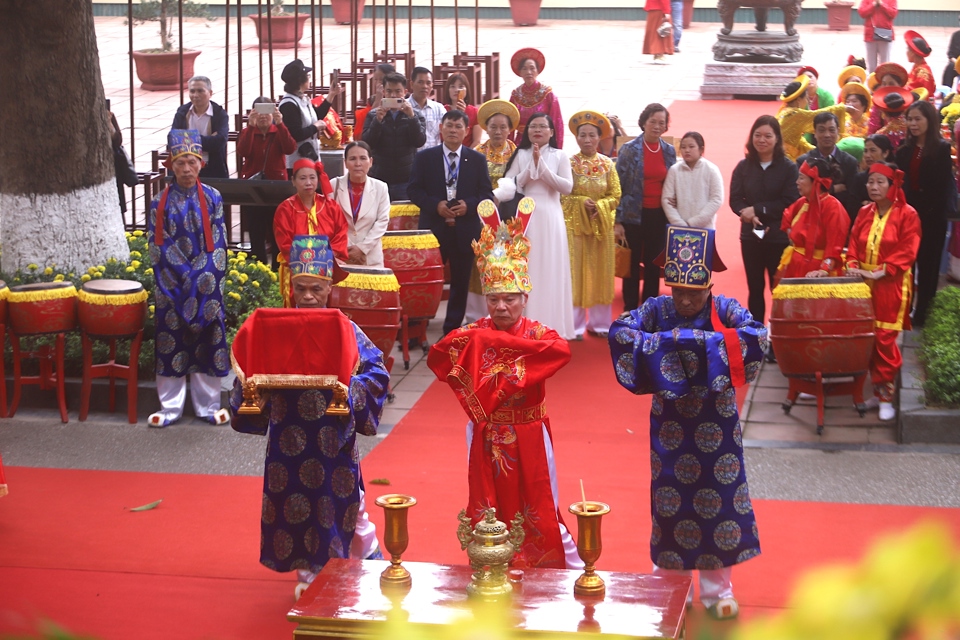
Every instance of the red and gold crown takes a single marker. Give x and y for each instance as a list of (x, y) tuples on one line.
[(502, 249)]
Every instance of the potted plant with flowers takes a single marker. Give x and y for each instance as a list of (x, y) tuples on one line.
[(159, 69), (280, 29)]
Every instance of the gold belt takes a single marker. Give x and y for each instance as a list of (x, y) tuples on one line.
[(517, 416)]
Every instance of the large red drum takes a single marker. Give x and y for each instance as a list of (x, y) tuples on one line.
[(112, 308), (42, 307), (371, 298), (404, 216), (415, 258), (4, 294), (823, 325)]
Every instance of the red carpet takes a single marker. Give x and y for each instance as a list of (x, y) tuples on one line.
[(71, 552)]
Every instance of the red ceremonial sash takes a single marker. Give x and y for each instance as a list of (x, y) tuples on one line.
[(204, 214), (738, 374)]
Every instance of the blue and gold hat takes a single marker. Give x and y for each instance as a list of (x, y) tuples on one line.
[(690, 257), (311, 256), (181, 142)]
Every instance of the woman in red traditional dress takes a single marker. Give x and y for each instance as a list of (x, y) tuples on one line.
[(658, 13), (533, 96), (883, 247), (817, 225), (311, 211)]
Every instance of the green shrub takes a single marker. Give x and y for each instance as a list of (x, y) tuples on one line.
[(248, 285), (941, 348)]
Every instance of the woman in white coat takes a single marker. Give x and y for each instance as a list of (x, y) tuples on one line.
[(541, 170), (366, 203), (693, 191)]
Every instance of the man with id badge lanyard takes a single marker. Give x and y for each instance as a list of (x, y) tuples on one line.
[(446, 183)]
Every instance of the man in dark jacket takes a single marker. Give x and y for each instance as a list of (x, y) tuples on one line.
[(447, 183), (826, 130), (211, 121), (394, 134)]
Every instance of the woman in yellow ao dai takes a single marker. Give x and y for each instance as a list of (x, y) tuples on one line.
[(589, 215)]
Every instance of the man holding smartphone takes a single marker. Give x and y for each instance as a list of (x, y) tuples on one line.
[(394, 134), (447, 183)]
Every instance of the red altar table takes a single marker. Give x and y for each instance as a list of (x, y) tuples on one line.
[(345, 601)]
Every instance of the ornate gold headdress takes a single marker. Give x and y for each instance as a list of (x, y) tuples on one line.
[(502, 249)]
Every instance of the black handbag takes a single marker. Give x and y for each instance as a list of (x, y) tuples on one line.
[(123, 166), (508, 209), (883, 35)]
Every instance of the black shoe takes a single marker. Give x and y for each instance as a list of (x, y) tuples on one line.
[(770, 357)]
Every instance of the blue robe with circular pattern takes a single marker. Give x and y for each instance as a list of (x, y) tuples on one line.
[(311, 483), (191, 336), (699, 501)]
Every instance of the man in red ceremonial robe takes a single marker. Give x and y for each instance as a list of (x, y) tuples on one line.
[(311, 211), (883, 247), (497, 367)]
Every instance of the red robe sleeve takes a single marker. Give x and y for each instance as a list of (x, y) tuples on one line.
[(334, 223), (909, 233), (486, 367), (790, 213), (285, 227), (835, 223), (858, 236)]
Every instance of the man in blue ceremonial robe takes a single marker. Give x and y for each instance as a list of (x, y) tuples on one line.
[(691, 350), (316, 381), (189, 257)]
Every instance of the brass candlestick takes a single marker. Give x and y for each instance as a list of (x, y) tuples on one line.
[(395, 539), (589, 546)]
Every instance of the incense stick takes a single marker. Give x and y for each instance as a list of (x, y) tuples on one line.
[(583, 497)]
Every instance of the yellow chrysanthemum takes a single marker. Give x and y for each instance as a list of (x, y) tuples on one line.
[(48, 271), (111, 260), (135, 254), (129, 269), (101, 268), (137, 233), (273, 276), (148, 272), (243, 278), (241, 256), (234, 295), (32, 267), (85, 278), (152, 309), (255, 284), (135, 264), (233, 273), (58, 277)]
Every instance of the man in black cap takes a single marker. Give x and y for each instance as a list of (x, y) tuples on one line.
[(302, 116)]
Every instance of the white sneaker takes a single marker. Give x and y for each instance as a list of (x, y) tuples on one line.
[(726, 609), (806, 396), (887, 412)]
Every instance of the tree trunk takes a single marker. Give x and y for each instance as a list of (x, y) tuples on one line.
[(58, 195)]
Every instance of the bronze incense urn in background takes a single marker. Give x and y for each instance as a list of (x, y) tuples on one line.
[(490, 548)]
